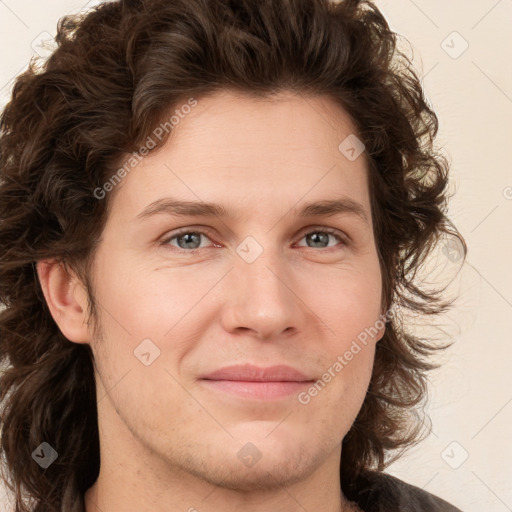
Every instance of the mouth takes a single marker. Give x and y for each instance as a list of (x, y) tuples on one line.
[(259, 383)]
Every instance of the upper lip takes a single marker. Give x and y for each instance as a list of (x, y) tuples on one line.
[(251, 373)]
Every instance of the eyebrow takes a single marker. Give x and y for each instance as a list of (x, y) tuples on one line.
[(325, 208)]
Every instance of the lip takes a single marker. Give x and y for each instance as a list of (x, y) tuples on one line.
[(251, 373), (251, 381)]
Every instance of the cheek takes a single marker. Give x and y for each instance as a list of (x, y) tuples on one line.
[(351, 308), (150, 321), (349, 303), (153, 302)]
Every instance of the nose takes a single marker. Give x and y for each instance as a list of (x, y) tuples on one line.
[(259, 298)]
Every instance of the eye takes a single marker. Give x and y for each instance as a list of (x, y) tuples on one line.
[(319, 238), (188, 241)]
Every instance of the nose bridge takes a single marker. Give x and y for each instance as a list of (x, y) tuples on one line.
[(265, 275), (260, 295)]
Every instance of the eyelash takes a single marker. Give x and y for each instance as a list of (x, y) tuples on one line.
[(166, 242)]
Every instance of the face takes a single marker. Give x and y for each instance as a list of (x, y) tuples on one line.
[(265, 284)]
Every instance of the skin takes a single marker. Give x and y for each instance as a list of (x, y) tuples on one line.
[(168, 441)]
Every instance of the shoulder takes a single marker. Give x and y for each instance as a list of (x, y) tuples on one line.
[(381, 492)]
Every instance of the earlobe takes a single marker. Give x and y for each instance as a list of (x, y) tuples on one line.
[(382, 326), (381, 332), (66, 299)]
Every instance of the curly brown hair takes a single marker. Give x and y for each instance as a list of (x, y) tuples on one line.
[(73, 118)]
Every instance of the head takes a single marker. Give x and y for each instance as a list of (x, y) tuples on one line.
[(114, 315)]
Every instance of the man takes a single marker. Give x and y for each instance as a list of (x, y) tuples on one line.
[(209, 211)]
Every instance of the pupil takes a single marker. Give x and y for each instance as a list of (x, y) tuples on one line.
[(191, 238), (319, 238)]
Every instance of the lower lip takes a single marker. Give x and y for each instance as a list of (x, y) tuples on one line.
[(259, 390)]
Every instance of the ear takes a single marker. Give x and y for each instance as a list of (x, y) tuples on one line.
[(380, 334), (382, 329), (66, 298)]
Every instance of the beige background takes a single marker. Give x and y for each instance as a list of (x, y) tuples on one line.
[(471, 90)]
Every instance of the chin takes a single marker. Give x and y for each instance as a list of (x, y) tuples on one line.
[(264, 475)]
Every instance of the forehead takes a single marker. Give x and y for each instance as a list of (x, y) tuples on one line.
[(243, 152)]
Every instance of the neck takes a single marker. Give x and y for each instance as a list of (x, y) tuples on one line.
[(104, 497)]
